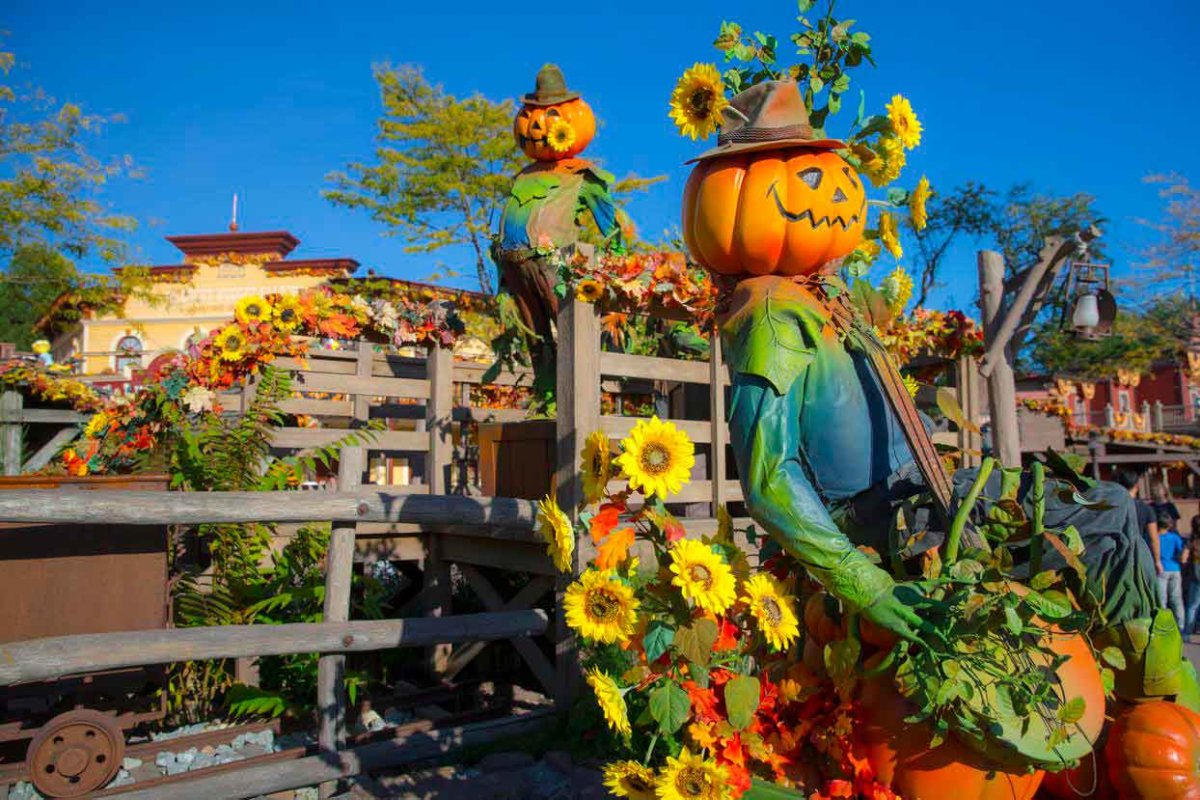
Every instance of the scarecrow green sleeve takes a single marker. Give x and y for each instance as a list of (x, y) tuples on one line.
[(800, 431)]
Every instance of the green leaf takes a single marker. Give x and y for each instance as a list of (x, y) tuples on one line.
[(841, 657), (815, 83), (694, 642), (659, 636), (741, 700), (1113, 656), (1072, 711), (669, 705), (1043, 580), (1050, 604), (1012, 621)]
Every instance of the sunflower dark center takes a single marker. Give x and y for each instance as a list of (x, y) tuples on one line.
[(701, 574), (288, 315), (253, 310), (692, 782), (233, 343), (602, 605), (637, 783), (655, 458), (700, 101), (771, 610)]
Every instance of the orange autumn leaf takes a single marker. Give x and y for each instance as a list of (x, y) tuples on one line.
[(605, 520), (614, 549), (727, 636), (338, 325), (703, 700)]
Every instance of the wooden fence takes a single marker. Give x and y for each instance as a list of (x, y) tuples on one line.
[(488, 526), (51, 429)]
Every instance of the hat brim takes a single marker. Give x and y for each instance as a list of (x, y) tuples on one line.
[(533, 100), (775, 144)]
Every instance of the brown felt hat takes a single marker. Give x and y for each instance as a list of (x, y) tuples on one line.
[(766, 116), (551, 88)]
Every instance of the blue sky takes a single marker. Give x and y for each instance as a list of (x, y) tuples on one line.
[(266, 98)]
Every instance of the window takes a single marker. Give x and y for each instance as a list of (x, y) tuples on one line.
[(129, 353), (1123, 402)]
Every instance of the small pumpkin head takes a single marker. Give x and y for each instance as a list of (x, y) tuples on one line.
[(553, 123), (772, 198), (782, 212)]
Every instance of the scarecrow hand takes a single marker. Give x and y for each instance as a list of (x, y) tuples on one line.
[(897, 611)]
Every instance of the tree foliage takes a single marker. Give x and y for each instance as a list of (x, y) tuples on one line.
[(443, 167), (1169, 266), (1015, 223), (51, 212)]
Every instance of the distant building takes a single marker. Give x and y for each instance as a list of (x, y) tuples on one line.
[(191, 297)]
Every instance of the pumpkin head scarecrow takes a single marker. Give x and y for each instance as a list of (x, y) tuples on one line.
[(547, 204), (828, 444)]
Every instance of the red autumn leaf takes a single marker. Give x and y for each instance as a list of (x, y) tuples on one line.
[(704, 701), (839, 788), (614, 549), (605, 520), (727, 636), (674, 530)]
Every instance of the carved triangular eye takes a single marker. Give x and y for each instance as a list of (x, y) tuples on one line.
[(552, 112), (839, 196), (850, 174), (811, 176)]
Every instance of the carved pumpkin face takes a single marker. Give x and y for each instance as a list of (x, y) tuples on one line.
[(781, 212), (534, 128)]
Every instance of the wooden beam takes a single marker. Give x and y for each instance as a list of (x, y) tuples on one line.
[(354, 384), (55, 657), (193, 508), (378, 440), (50, 449), (1148, 458), (54, 416), (438, 420), (699, 431), (281, 776), (339, 573), (653, 368), (11, 404), (718, 427)]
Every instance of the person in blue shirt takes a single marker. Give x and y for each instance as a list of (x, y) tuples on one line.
[(1173, 554)]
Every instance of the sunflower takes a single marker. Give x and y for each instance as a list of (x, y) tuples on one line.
[(698, 100), (231, 342), (904, 121), (287, 313), (656, 457), (561, 135), (774, 612), (252, 309), (702, 576), (888, 162), (558, 532), (916, 204), (611, 700), (898, 288), (629, 779), (911, 385), (888, 235), (595, 466), (867, 250), (600, 607), (692, 777), (96, 425), (589, 290)]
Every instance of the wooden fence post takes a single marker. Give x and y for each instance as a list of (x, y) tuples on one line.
[(1158, 416), (578, 404), (439, 418), (1110, 416), (339, 569), (1002, 387), (966, 378), (363, 369), (11, 405), (720, 430)]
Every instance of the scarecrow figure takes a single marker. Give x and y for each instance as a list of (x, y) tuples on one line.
[(542, 219), (828, 443)]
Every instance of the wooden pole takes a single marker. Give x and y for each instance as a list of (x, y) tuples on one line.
[(11, 404), (439, 417), (339, 573), (578, 404), (966, 378), (720, 430), (1002, 388)]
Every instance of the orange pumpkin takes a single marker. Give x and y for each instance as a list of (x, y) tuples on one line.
[(822, 619), (902, 758), (534, 126), (1153, 752), (781, 212)]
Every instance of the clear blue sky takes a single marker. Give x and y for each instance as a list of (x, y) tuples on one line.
[(265, 98)]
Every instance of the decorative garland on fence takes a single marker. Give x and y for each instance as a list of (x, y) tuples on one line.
[(1056, 407), (125, 428)]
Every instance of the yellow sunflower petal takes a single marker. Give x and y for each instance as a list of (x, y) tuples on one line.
[(698, 100), (774, 612), (595, 466), (611, 701), (702, 576), (656, 457), (692, 777), (630, 779), (601, 607), (555, 527)]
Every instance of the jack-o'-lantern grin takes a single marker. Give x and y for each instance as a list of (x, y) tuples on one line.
[(839, 220)]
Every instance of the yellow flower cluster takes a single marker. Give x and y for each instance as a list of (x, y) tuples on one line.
[(691, 776), (698, 100)]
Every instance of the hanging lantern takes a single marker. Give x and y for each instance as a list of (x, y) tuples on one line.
[(1091, 305)]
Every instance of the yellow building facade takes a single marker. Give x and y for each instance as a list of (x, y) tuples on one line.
[(190, 298)]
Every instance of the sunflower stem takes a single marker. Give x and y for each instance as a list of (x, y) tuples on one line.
[(1036, 541), (650, 749)]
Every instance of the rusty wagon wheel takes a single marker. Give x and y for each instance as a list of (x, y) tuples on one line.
[(75, 753)]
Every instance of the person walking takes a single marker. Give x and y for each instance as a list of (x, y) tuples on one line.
[(1172, 554), (1191, 579), (1162, 503), (1145, 515)]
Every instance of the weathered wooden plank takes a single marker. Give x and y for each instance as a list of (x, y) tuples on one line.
[(718, 428), (52, 416), (343, 365), (10, 432), (339, 572), (283, 775), (438, 419), (380, 440), (466, 372), (191, 508), (525, 557), (317, 408), (356, 384), (653, 368), (699, 431), (50, 449), (362, 369), (54, 657), (463, 414)]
